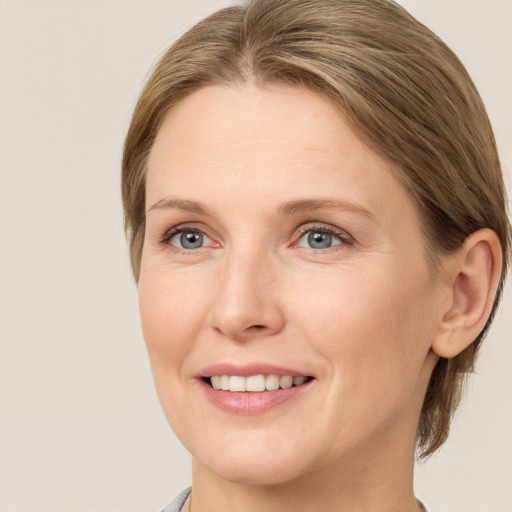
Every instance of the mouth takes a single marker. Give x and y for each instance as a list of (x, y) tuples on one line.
[(255, 383), (253, 388)]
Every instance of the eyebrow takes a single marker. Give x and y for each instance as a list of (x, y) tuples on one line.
[(288, 208), (307, 205), (180, 204)]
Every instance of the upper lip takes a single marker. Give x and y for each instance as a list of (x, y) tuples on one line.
[(247, 370)]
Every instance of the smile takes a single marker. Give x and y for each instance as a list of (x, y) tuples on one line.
[(255, 383), (252, 388)]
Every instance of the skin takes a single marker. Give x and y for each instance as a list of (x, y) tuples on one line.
[(361, 316)]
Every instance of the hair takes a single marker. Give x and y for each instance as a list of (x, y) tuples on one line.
[(406, 95)]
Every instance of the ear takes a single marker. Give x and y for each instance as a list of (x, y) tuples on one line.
[(474, 274)]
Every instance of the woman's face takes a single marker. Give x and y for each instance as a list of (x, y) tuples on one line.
[(280, 249)]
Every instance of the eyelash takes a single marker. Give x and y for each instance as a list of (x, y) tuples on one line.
[(341, 235), (171, 233), (344, 238)]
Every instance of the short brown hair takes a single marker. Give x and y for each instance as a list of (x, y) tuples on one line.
[(407, 96)]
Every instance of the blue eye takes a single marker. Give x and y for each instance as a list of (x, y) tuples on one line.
[(319, 239), (189, 239)]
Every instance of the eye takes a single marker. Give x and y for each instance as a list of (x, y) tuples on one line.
[(319, 238), (188, 239)]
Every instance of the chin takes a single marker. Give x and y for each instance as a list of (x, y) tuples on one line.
[(251, 460), (261, 473)]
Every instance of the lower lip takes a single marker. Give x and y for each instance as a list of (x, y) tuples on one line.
[(251, 402)]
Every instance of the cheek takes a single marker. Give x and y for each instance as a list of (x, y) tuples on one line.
[(373, 334), (172, 310), (371, 325)]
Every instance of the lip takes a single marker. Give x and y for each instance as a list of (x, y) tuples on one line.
[(250, 403), (247, 370)]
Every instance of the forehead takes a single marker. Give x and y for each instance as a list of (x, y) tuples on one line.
[(257, 144)]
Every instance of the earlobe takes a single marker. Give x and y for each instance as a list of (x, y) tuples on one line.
[(474, 274)]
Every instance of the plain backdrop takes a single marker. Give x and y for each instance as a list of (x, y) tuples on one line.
[(80, 425)]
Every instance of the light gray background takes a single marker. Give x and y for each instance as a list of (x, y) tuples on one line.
[(80, 427)]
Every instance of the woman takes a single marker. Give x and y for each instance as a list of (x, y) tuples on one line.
[(316, 217)]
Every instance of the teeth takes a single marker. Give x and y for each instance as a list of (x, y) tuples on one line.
[(237, 383), (286, 382), (215, 381), (255, 383), (272, 382), (297, 381), (224, 382)]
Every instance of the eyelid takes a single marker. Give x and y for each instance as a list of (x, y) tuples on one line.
[(345, 237), (167, 236)]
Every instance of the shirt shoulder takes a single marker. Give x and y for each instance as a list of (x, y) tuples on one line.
[(178, 502)]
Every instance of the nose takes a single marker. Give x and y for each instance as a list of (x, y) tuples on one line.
[(246, 304)]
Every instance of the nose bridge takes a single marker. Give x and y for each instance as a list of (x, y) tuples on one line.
[(245, 304)]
